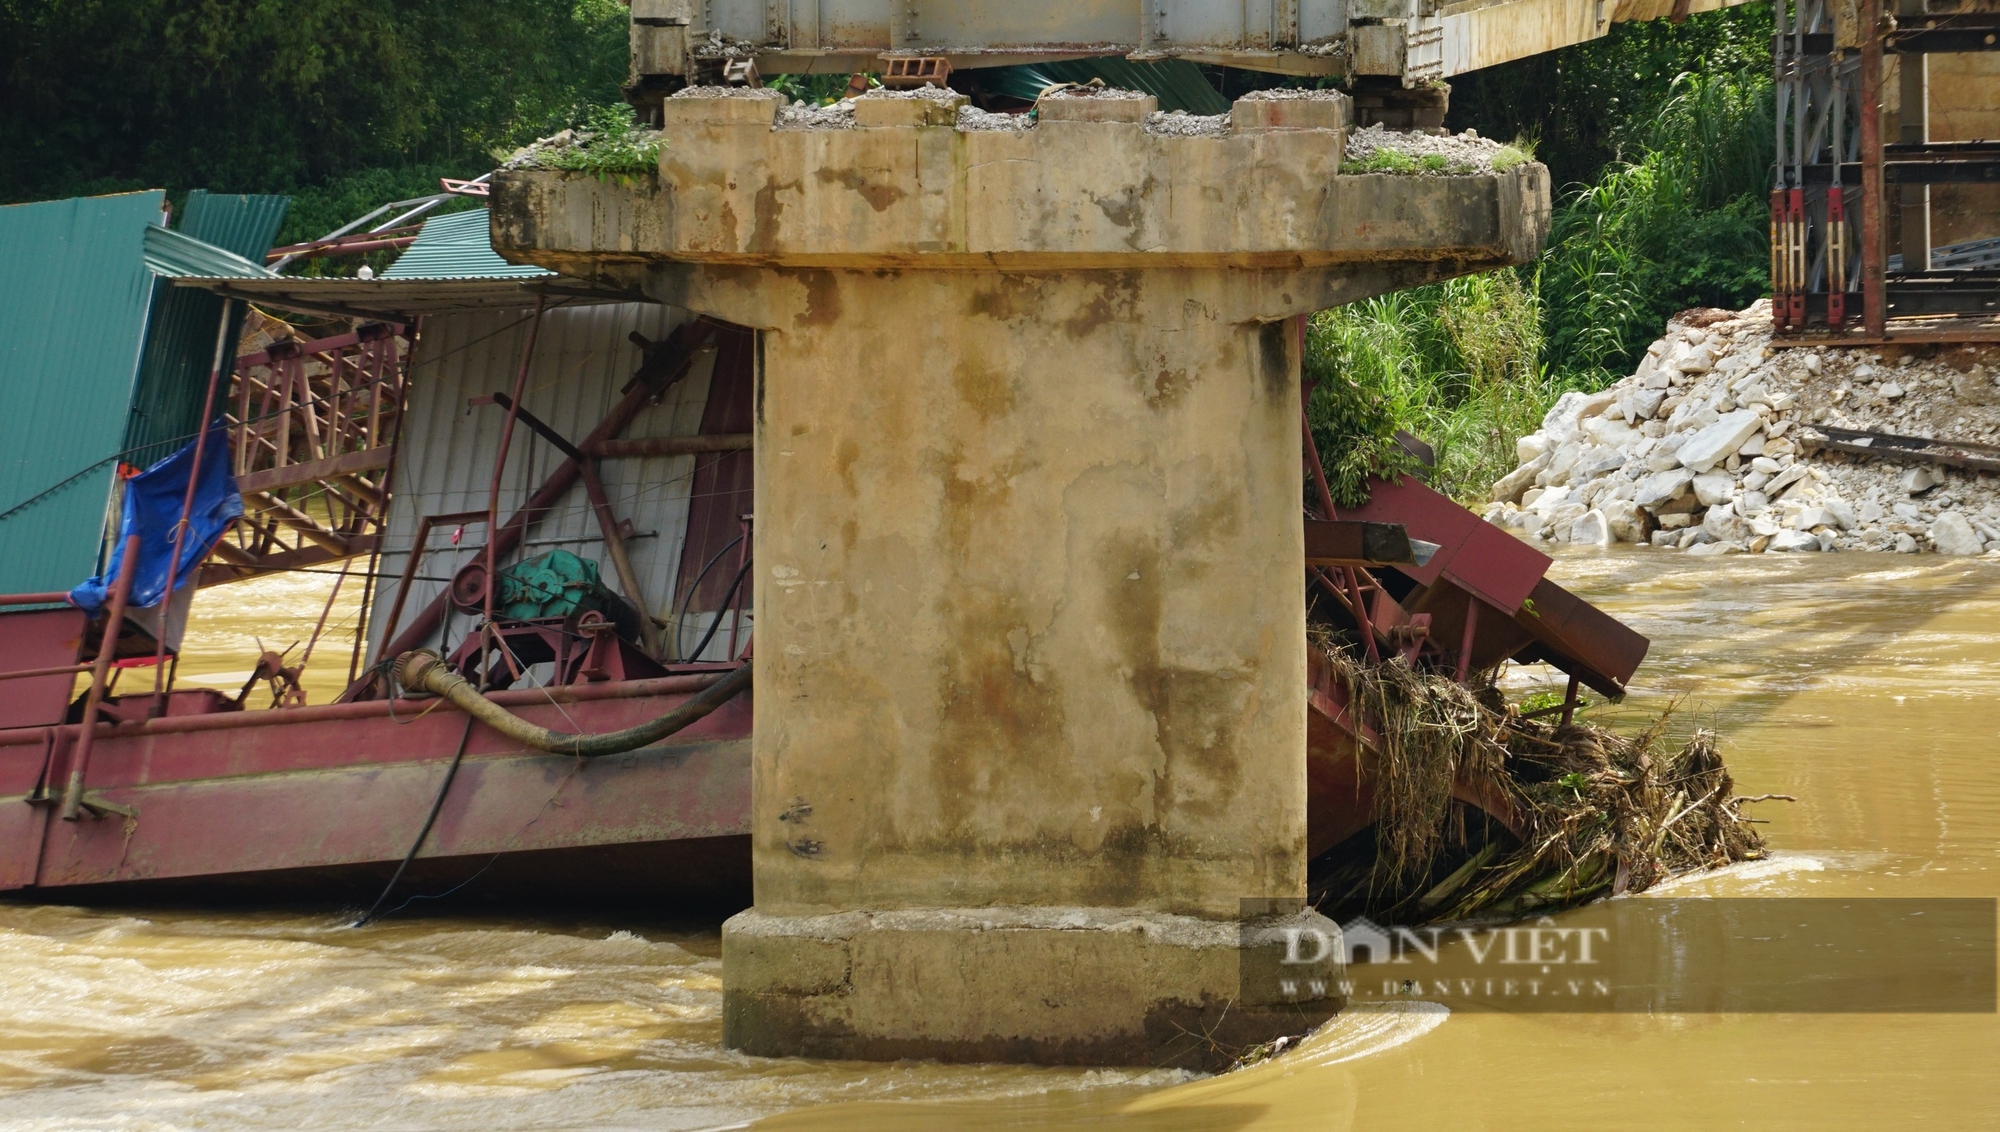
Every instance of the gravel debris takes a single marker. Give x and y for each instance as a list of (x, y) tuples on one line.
[(1462, 153), (1709, 448), (1110, 92), (1290, 94), (1181, 124), (725, 92), (803, 115), (973, 118)]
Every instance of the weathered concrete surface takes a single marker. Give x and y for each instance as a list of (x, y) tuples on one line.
[(1066, 195), (1028, 550), (1096, 996)]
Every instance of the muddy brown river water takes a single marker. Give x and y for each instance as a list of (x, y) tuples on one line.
[(1865, 684)]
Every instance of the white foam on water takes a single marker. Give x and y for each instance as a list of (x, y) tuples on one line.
[(1369, 1029)]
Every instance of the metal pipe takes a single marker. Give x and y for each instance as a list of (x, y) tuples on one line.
[(1569, 700), (35, 599), (27, 673), (107, 648), (1874, 305), (493, 493), (621, 561), (374, 709), (159, 704), (424, 670), (1465, 642), (674, 445)]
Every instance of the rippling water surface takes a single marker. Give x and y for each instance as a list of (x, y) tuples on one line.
[(1866, 685)]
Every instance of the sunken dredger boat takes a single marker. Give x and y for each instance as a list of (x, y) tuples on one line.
[(543, 489)]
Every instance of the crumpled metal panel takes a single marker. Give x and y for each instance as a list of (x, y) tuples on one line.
[(458, 246), (74, 294), (583, 358), (216, 231)]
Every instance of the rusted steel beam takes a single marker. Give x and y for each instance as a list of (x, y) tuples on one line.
[(673, 445), (660, 370), (1965, 454), (1354, 542), (338, 247), (299, 521), (366, 460), (107, 649), (243, 565)]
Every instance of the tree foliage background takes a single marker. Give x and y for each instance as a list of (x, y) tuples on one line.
[(342, 103)]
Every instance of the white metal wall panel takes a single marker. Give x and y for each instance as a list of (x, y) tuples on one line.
[(582, 359)]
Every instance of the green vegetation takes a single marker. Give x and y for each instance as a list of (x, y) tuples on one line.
[(609, 145), (1383, 161), (1671, 215)]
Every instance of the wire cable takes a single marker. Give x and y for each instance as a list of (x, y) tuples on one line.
[(437, 804)]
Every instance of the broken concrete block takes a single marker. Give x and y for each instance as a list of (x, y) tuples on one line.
[(1662, 487), (1713, 488), (1590, 529), (1953, 535), (1720, 440)]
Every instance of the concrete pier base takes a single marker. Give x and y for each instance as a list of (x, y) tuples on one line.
[(1030, 688), (1055, 986)]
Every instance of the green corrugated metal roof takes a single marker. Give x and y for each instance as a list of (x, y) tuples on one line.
[(173, 253), (459, 246), (1177, 83), (220, 234), (74, 293)]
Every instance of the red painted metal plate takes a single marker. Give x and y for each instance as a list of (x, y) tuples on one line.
[(1474, 554), (42, 638)]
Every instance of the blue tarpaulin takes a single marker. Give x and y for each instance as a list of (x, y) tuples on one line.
[(153, 501)]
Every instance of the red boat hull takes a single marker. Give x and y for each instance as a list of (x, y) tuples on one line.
[(320, 802)]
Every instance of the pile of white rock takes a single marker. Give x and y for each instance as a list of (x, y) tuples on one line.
[(1708, 448)]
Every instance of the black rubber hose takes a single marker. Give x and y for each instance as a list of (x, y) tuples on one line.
[(680, 618), (423, 670), (726, 597)]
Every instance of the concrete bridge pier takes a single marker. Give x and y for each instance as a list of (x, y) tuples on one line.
[(1029, 770)]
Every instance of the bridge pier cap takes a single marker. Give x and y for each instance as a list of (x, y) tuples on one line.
[(1029, 769)]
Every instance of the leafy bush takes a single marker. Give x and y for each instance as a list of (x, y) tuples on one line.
[(1456, 363), (609, 145)]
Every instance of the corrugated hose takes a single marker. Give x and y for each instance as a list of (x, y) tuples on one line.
[(423, 670)]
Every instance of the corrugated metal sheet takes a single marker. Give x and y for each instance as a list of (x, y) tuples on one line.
[(1177, 83), (458, 246), (74, 294), (173, 254), (219, 234), (583, 358)]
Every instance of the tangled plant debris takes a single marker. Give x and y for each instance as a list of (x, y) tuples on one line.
[(1596, 812)]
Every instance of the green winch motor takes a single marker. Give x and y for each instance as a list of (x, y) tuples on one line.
[(559, 584)]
